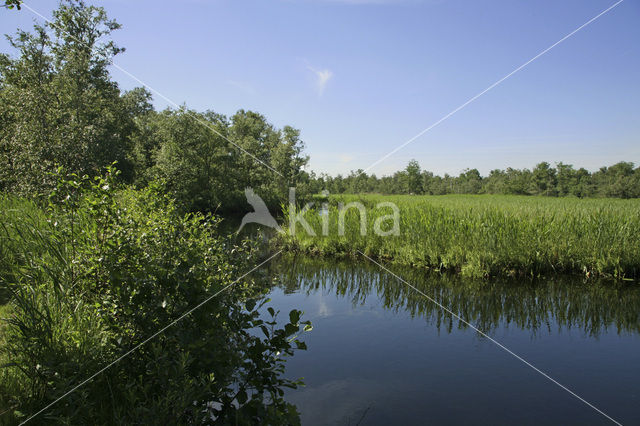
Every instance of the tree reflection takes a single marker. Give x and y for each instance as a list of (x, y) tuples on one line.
[(539, 305)]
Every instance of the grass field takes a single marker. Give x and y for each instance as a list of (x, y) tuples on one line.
[(486, 235)]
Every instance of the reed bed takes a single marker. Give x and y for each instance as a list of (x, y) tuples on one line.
[(485, 235)]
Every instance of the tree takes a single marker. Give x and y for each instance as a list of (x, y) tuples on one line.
[(495, 183), (192, 154), (544, 179), (58, 104), (287, 157), (566, 178), (279, 150), (583, 186), (470, 181), (615, 181), (193, 161), (413, 178), (10, 4), (358, 182)]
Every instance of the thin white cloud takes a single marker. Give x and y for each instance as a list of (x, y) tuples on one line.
[(245, 87), (345, 158), (322, 78)]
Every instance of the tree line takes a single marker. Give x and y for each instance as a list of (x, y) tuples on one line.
[(60, 107), (621, 180)]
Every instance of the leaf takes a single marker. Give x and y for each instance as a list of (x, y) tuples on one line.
[(242, 396), (265, 330), (294, 316), (291, 329), (250, 305)]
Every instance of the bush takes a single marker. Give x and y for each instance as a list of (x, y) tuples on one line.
[(98, 273)]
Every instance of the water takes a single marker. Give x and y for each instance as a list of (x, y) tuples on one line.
[(380, 353)]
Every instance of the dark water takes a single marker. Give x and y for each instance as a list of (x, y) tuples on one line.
[(380, 353)]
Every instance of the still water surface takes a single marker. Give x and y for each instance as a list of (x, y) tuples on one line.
[(380, 353)]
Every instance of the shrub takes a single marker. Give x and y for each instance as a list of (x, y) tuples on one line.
[(100, 271)]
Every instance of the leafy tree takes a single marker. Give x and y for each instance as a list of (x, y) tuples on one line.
[(544, 179), (279, 150), (582, 185), (358, 182), (619, 180), (194, 162), (192, 154), (616, 181), (470, 181), (413, 178), (10, 4), (57, 102)]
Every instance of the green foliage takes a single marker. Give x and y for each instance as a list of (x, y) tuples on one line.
[(620, 181), (103, 267), (101, 270), (192, 154), (59, 106), (10, 4), (488, 235)]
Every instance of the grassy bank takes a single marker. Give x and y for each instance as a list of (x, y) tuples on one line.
[(486, 235)]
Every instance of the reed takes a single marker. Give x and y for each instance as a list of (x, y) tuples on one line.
[(487, 235)]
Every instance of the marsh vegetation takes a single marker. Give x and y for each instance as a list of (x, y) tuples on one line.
[(112, 230), (483, 235)]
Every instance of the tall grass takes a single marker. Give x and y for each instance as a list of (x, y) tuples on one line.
[(488, 235), (90, 277)]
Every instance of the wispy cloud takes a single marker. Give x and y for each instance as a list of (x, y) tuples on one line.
[(322, 78), (245, 87), (345, 158)]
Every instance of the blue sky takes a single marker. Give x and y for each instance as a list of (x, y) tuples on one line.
[(360, 77)]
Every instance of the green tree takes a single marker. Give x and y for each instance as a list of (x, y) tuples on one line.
[(206, 160), (544, 179), (10, 4), (194, 162), (615, 181), (566, 179), (583, 186), (470, 181), (495, 183), (413, 178), (57, 102), (358, 182)]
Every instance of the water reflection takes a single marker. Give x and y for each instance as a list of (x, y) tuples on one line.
[(536, 305), (381, 353)]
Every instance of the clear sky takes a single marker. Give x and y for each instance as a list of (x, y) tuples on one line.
[(360, 77)]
